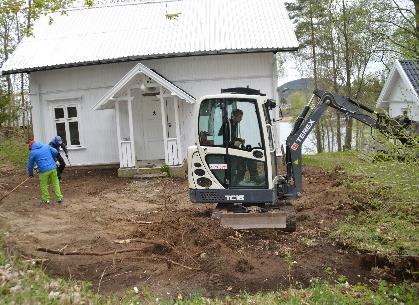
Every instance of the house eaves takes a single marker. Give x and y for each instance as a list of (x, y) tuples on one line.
[(140, 58)]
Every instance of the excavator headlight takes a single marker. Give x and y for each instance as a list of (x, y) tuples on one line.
[(204, 182), (199, 172)]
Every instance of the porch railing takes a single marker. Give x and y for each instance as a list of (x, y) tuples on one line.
[(172, 152), (126, 154)]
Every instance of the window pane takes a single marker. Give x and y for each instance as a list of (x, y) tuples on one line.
[(210, 123), (244, 124), (72, 112), (59, 113), (74, 133), (61, 131), (247, 172)]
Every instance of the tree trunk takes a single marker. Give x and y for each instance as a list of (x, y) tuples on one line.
[(327, 122), (417, 26), (335, 86), (333, 134), (338, 132), (10, 101), (23, 103), (313, 51), (9, 107), (348, 65)]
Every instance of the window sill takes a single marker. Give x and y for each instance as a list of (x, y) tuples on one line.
[(76, 147)]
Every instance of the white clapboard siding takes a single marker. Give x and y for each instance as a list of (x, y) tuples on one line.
[(98, 128)]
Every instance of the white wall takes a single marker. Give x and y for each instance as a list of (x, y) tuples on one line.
[(400, 92), (187, 129), (98, 139), (401, 97), (397, 108), (197, 75)]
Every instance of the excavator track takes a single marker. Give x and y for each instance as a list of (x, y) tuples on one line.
[(256, 217)]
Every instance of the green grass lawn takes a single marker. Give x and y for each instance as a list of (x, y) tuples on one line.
[(388, 197), (14, 151)]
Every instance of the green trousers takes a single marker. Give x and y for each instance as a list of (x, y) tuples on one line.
[(44, 180)]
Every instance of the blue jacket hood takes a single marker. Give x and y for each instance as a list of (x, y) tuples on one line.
[(36, 145)]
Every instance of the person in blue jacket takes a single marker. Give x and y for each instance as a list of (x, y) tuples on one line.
[(45, 156)]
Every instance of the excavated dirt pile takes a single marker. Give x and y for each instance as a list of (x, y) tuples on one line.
[(120, 233)]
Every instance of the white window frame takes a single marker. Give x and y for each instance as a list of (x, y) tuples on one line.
[(64, 103)]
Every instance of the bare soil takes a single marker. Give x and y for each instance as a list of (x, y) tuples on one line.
[(158, 240)]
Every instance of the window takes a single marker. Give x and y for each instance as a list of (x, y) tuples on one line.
[(243, 172), (67, 124), (230, 122)]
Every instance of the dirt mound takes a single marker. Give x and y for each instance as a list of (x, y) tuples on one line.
[(147, 234)]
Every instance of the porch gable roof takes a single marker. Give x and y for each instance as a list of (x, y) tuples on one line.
[(107, 101)]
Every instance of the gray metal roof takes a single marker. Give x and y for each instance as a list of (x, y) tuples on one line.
[(411, 68), (143, 30)]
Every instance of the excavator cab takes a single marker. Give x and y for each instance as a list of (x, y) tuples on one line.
[(233, 162)]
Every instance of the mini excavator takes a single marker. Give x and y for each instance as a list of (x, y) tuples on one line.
[(233, 162)]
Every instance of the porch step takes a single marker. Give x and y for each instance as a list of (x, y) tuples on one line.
[(149, 176), (141, 172)]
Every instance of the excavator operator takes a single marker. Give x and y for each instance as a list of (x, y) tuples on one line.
[(238, 167)]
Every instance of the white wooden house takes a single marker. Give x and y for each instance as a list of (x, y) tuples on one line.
[(400, 92), (119, 83)]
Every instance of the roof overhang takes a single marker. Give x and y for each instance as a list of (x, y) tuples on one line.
[(108, 100), (147, 57)]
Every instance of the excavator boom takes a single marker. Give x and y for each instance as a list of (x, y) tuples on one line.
[(291, 184)]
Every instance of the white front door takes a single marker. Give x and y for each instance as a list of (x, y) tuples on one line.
[(152, 144)]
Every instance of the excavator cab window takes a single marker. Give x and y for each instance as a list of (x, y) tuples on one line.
[(230, 122), (233, 124), (210, 121)]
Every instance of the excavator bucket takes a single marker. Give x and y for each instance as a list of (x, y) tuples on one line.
[(283, 218), (240, 221)]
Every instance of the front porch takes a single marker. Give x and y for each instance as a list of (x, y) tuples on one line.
[(153, 169), (150, 114)]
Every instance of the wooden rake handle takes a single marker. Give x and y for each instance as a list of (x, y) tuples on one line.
[(16, 187)]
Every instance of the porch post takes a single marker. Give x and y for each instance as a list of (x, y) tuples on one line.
[(131, 129), (177, 122), (164, 124), (118, 132)]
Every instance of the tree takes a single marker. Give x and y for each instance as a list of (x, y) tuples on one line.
[(308, 16), (343, 40), (16, 21)]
